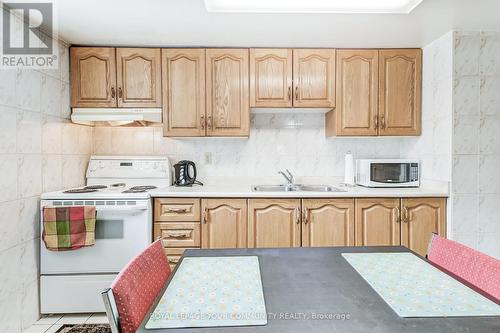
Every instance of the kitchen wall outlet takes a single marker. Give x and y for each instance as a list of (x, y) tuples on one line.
[(208, 158)]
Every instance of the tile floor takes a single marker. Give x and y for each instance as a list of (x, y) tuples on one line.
[(51, 323)]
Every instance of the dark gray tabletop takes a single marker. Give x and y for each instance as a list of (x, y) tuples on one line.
[(302, 282)]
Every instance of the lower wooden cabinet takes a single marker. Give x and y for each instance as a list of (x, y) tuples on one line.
[(269, 222), (408, 222), (420, 217), (327, 222), (274, 223), (224, 223), (377, 222)]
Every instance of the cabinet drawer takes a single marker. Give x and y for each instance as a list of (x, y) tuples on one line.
[(178, 234), (177, 209), (174, 255)]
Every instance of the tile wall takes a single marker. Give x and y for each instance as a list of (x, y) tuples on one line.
[(277, 141), (476, 140), (40, 150)]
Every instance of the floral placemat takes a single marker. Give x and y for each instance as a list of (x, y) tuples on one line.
[(414, 288), (212, 292)]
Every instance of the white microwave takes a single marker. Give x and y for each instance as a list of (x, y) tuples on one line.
[(388, 172)]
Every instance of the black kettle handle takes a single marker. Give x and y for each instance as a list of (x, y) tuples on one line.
[(193, 178)]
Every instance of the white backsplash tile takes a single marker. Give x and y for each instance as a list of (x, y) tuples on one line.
[(466, 54), (29, 132), (489, 54), (8, 125), (50, 96), (466, 134), (489, 181), (52, 135), (8, 181), (490, 96), (28, 87), (489, 135), (29, 175), (466, 95), (465, 174)]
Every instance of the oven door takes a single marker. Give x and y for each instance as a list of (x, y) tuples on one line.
[(392, 174), (122, 232)]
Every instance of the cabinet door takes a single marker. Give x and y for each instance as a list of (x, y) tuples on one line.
[(93, 77), (328, 222), (357, 94), (314, 78), (183, 72), (224, 223), (378, 222), (420, 218), (274, 223), (400, 97), (228, 108), (271, 77), (139, 77)]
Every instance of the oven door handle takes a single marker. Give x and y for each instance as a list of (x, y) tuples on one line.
[(121, 209)]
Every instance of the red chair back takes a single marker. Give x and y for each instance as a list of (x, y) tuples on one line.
[(138, 284), (475, 267)]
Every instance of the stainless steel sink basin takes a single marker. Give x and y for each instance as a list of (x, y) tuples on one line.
[(296, 188)]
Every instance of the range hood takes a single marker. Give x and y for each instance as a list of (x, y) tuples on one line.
[(116, 116)]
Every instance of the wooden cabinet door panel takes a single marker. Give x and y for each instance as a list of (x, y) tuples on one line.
[(420, 218), (271, 77), (228, 108), (177, 234), (400, 97), (138, 77), (224, 223), (183, 73), (93, 77), (357, 93), (274, 223), (328, 222), (314, 78), (377, 222)]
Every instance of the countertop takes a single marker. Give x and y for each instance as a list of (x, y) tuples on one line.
[(242, 188)]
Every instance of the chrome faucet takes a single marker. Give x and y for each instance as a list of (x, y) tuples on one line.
[(288, 176)]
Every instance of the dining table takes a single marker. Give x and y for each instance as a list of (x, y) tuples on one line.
[(308, 290)]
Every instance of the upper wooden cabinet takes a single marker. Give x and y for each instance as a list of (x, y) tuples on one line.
[(271, 78), (183, 72), (227, 95), (109, 77), (314, 78), (327, 222), (420, 217), (298, 78), (224, 223), (400, 93), (93, 77), (357, 94), (274, 223), (378, 93), (138, 77), (378, 222)]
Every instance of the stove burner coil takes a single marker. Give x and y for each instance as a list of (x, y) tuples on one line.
[(95, 187), (143, 187)]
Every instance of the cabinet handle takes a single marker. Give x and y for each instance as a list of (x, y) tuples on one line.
[(382, 122), (289, 93), (120, 92), (177, 210), (209, 122), (202, 122), (376, 122), (296, 93), (184, 234), (398, 215), (173, 260), (297, 215), (407, 216), (205, 215), (113, 93), (306, 215)]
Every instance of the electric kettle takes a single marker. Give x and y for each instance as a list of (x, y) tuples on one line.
[(185, 174)]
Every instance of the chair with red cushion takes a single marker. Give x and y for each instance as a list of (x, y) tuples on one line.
[(475, 267), (134, 290)]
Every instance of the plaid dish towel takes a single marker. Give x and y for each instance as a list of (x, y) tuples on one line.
[(68, 228)]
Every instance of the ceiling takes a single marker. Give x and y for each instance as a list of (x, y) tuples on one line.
[(187, 23)]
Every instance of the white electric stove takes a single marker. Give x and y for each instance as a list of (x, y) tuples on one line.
[(71, 281)]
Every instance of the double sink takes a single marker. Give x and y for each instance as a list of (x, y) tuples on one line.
[(296, 188)]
